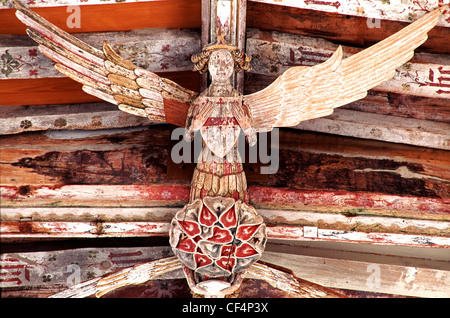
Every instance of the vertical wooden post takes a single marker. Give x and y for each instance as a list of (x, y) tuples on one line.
[(225, 17)]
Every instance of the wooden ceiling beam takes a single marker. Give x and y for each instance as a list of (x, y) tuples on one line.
[(405, 11), (337, 28), (174, 14)]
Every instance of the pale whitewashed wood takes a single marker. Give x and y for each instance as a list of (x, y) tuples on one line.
[(91, 116), (306, 233), (157, 50), (298, 225), (271, 216), (425, 75), (337, 81), (358, 124), (27, 269), (343, 222), (359, 275), (88, 214), (396, 10)]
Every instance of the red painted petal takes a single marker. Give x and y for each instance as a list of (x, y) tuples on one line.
[(221, 236), (202, 260), (245, 250), (206, 217), (227, 263), (187, 245), (227, 250), (190, 228), (229, 219), (245, 232)]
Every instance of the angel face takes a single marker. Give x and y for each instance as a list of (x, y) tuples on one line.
[(221, 66)]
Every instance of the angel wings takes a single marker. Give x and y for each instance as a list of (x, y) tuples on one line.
[(300, 93)]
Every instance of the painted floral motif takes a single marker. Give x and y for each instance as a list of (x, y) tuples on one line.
[(25, 63), (9, 63)]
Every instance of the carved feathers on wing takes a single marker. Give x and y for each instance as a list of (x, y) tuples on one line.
[(105, 74), (303, 92)]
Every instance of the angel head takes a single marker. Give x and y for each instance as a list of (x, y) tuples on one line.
[(221, 59)]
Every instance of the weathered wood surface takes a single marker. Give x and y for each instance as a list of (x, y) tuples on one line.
[(111, 156), (406, 11), (62, 267), (379, 117), (337, 28), (65, 183), (103, 115), (302, 226), (55, 271), (158, 50), (360, 275), (381, 127)]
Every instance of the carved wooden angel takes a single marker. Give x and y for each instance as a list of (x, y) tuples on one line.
[(217, 236)]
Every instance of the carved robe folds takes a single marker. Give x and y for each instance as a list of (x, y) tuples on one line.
[(219, 169), (218, 235)]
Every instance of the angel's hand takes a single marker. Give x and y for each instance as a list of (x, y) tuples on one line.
[(245, 123), (241, 116), (250, 133), (203, 114)]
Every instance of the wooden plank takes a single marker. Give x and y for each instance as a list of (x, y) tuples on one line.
[(102, 115), (176, 196), (397, 11), (157, 50), (14, 232), (382, 127), (138, 156), (338, 28), (363, 222), (57, 230), (104, 17), (66, 91), (381, 278), (425, 75), (66, 267), (405, 11), (295, 233), (59, 270), (34, 223)]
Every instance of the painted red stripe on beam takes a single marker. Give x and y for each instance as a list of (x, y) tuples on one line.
[(258, 195), (366, 200)]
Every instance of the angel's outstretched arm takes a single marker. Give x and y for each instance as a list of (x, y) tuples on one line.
[(107, 75)]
